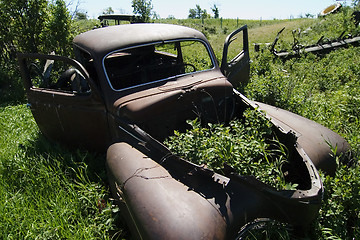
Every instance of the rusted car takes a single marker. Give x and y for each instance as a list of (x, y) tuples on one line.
[(130, 87)]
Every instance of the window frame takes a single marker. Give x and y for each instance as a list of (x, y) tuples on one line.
[(206, 45)]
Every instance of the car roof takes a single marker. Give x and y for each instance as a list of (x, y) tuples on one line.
[(101, 41)]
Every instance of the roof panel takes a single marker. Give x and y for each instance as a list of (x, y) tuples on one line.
[(101, 41)]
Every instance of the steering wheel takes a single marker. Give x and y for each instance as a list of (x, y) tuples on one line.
[(188, 68), (72, 80), (66, 79)]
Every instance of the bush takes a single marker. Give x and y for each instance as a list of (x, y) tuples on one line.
[(30, 26), (11, 87)]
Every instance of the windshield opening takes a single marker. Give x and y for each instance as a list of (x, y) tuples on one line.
[(150, 63)]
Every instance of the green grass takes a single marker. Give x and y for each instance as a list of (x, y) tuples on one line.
[(46, 191)]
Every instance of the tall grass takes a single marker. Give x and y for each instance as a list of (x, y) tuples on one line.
[(46, 191), (324, 88)]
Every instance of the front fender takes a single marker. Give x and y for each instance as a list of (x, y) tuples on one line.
[(315, 139), (156, 205), (170, 198)]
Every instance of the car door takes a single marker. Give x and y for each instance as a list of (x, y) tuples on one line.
[(235, 64), (65, 102)]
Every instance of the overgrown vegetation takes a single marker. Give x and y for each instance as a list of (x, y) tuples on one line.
[(324, 88), (249, 147), (47, 191)]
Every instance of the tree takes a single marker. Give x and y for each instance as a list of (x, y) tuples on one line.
[(192, 13), (215, 10), (28, 19), (76, 9), (80, 15), (58, 29), (197, 13), (143, 8), (30, 26), (35, 25), (108, 10)]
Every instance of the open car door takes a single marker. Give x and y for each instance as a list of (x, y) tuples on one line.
[(235, 64), (64, 100)]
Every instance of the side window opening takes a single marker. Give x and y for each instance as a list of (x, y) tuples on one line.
[(56, 75), (195, 54), (236, 48), (235, 63), (150, 63)]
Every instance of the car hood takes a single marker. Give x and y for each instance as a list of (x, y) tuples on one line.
[(160, 98)]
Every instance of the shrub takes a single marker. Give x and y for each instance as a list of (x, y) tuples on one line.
[(30, 26)]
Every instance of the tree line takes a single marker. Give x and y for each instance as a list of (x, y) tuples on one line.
[(144, 9)]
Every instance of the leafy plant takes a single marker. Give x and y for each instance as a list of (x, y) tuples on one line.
[(250, 147), (143, 8), (340, 213)]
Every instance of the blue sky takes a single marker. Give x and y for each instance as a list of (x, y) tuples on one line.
[(251, 9)]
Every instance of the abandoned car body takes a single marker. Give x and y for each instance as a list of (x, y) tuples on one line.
[(130, 87)]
